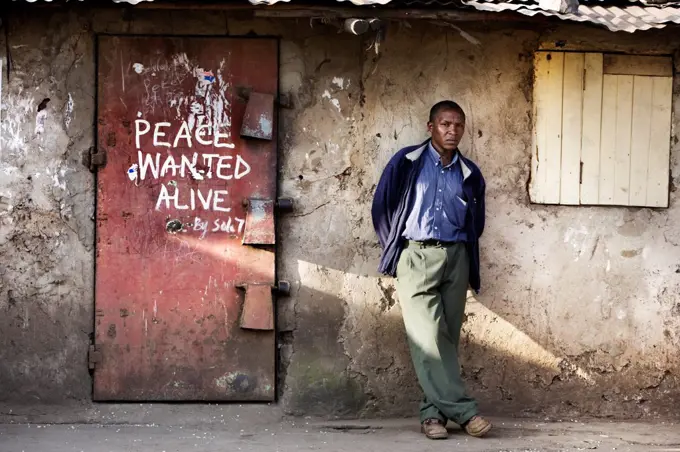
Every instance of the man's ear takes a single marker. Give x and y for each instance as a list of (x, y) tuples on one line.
[(429, 127)]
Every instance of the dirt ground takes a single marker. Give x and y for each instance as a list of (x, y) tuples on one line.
[(207, 428)]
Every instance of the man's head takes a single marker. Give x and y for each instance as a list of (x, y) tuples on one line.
[(446, 125)]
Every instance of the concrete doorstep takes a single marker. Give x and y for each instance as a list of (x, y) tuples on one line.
[(207, 428)]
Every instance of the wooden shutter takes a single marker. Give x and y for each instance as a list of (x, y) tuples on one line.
[(602, 126)]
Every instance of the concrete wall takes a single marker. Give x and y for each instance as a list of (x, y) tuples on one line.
[(580, 311)]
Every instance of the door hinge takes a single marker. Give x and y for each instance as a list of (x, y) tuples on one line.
[(259, 225), (94, 356), (283, 288), (93, 159), (285, 204), (258, 305)]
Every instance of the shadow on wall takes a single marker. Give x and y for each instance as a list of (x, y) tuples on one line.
[(512, 359), (347, 356), (512, 373), (315, 376)]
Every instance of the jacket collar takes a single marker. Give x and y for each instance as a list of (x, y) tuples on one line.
[(416, 153)]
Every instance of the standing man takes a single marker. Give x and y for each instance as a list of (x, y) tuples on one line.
[(428, 212)]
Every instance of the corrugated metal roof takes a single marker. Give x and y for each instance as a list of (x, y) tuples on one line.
[(354, 2), (630, 16), (616, 18)]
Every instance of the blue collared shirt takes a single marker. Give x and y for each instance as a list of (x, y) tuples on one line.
[(439, 208)]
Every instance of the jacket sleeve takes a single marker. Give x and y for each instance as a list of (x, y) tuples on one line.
[(385, 202), (480, 206)]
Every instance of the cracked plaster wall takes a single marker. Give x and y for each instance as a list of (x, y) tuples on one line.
[(580, 308)]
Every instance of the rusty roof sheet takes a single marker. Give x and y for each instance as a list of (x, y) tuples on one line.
[(629, 16)]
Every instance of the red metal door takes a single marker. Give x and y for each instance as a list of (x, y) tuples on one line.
[(185, 243)]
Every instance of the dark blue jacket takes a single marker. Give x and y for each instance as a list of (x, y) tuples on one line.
[(394, 199)]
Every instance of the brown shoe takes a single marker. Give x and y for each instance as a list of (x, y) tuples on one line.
[(477, 426), (434, 429)]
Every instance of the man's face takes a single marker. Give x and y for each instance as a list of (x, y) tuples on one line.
[(447, 130)]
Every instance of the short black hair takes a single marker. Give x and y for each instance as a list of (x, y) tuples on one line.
[(445, 105)]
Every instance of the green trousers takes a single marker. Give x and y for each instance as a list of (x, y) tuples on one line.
[(432, 284)]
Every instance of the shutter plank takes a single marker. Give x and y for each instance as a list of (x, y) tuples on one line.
[(547, 148), (608, 139), (640, 139), (572, 121), (592, 122), (624, 118), (659, 148)]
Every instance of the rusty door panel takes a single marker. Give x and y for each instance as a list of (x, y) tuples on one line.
[(171, 220)]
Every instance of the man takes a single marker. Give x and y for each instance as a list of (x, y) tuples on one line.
[(428, 212)]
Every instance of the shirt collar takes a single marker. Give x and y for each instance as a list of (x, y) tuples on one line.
[(437, 159)]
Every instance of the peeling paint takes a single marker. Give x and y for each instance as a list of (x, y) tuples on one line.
[(68, 112), (133, 172), (209, 105), (58, 177), (257, 210), (10, 170), (225, 380), (265, 125), (40, 119), (15, 110), (334, 101), (5, 203)]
